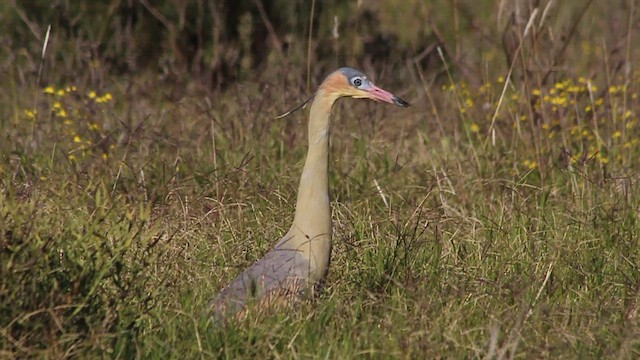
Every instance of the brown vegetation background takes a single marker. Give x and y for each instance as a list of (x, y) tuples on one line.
[(142, 167)]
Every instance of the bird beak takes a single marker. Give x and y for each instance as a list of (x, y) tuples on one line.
[(376, 93)]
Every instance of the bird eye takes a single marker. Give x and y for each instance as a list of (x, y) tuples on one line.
[(357, 81)]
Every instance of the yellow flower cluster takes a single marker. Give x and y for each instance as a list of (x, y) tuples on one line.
[(565, 93), (530, 164), (79, 115), (592, 124), (100, 99), (462, 92)]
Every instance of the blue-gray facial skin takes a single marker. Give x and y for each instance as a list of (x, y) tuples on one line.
[(359, 80)]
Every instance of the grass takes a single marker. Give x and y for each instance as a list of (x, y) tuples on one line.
[(497, 217)]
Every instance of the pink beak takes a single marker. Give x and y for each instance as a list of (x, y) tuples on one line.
[(377, 93)]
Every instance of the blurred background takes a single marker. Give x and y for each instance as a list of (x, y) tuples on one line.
[(215, 43)]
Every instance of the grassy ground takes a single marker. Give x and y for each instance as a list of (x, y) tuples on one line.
[(494, 218)]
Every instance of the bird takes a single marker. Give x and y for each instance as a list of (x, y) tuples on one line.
[(298, 264)]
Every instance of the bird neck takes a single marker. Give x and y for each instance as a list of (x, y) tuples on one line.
[(313, 212)]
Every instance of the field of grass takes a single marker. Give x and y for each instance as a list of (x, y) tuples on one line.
[(498, 217)]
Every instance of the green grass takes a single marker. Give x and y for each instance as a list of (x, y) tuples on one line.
[(491, 219)]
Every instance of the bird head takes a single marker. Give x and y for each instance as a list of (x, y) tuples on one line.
[(349, 82)]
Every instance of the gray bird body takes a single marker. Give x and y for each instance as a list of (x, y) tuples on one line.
[(280, 270)]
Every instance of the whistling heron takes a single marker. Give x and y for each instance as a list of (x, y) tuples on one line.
[(300, 260)]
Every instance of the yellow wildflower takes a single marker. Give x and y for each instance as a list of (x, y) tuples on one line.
[(49, 90), (30, 114), (602, 159), (586, 48), (77, 139), (92, 94), (468, 102), (613, 89), (616, 134), (105, 98), (474, 128), (574, 89)]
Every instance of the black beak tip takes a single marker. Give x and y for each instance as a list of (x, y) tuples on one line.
[(400, 102)]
